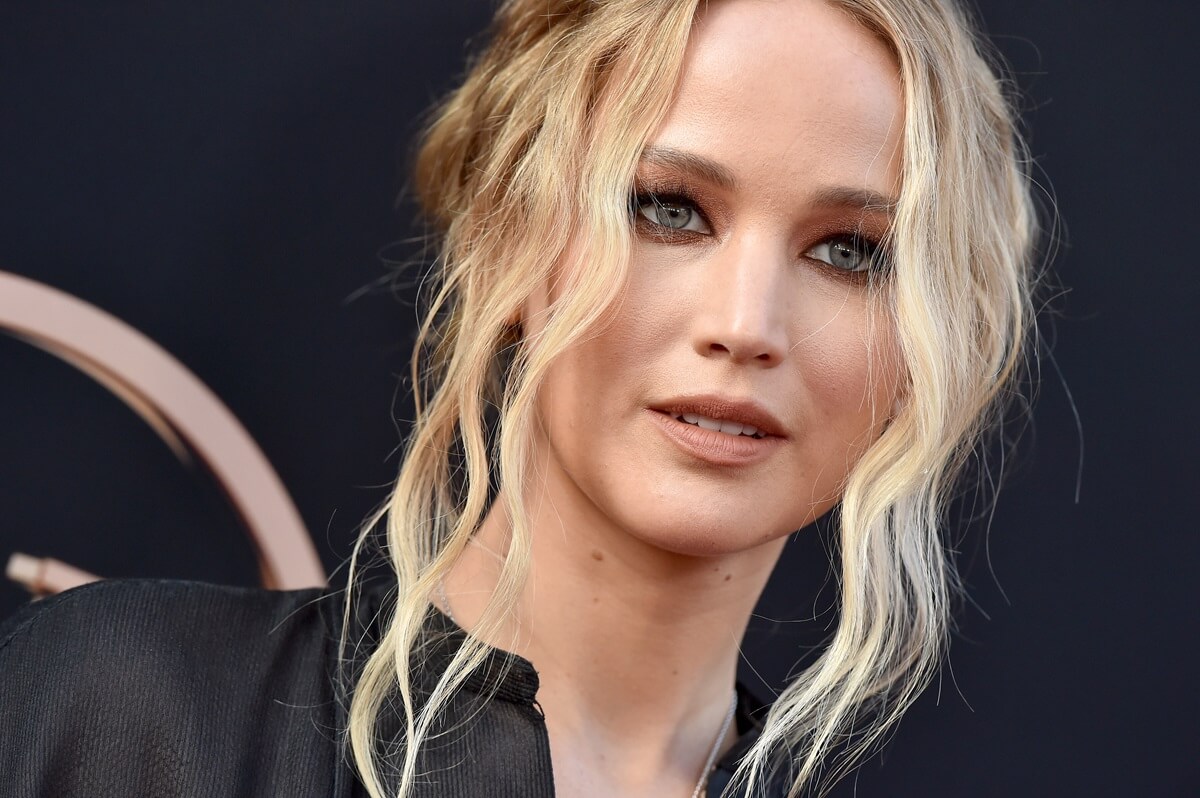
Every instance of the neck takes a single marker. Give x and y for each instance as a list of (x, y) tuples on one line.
[(636, 647)]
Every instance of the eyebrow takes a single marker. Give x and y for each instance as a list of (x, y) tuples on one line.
[(716, 174), (710, 171), (864, 198)]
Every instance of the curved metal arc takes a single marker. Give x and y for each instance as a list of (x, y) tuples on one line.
[(180, 408)]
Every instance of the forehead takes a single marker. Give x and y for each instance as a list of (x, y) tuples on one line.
[(792, 90)]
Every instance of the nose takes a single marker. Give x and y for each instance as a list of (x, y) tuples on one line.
[(742, 311)]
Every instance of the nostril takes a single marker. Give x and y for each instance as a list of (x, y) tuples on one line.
[(742, 349), (741, 354)]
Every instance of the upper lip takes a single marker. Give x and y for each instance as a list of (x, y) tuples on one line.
[(742, 411)]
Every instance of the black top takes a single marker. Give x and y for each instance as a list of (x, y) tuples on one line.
[(165, 688)]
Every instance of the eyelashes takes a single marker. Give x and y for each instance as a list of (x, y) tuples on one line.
[(671, 213), (668, 210), (853, 254)]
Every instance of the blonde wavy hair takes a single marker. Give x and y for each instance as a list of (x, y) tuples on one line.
[(539, 144)]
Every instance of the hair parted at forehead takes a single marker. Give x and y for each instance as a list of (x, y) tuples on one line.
[(536, 150)]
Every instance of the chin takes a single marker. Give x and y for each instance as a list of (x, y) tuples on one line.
[(714, 535)]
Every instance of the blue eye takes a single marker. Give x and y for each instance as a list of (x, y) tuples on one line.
[(847, 253), (673, 213)]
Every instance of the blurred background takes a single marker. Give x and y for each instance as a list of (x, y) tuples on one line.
[(229, 179)]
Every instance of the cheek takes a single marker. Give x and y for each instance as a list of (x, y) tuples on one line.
[(849, 367), (634, 338), (587, 389), (593, 392)]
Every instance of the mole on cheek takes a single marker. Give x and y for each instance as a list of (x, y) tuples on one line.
[(597, 555)]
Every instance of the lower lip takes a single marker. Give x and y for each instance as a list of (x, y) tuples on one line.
[(717, 448)]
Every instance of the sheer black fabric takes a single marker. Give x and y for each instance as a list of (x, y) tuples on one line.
[(165, 688)]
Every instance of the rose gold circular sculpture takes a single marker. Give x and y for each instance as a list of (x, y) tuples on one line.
[(180, 408)]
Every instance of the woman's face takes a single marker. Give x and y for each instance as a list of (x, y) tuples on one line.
[(758, 204)]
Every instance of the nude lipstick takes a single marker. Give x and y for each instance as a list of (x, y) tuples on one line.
[(719, 431)]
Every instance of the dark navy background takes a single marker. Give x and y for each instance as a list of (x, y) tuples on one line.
[(224, 177)]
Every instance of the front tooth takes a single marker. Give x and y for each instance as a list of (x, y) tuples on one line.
[(708, 423), (691, 418), (731, 427), (749, 430)]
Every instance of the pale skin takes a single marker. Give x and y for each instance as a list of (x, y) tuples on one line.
[(647, 560)]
